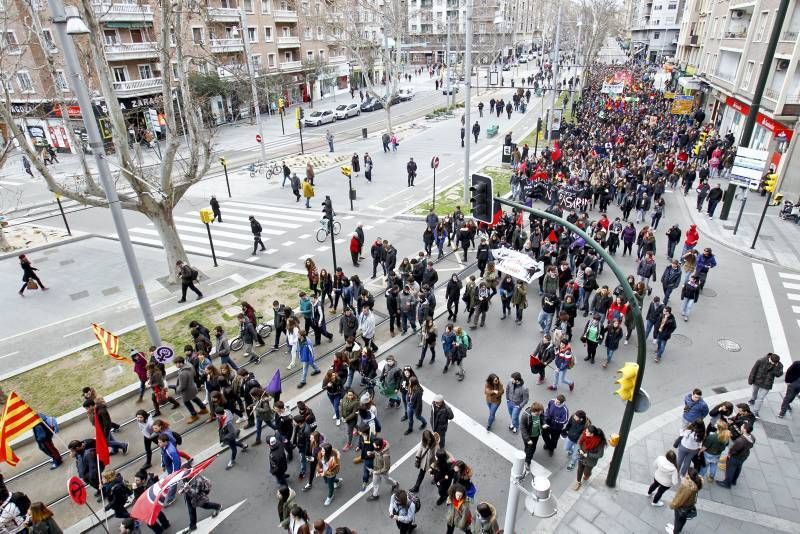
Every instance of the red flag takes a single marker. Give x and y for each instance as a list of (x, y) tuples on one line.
[(199, 468), (17, 418), (150, 503), (100, 440), (552, 237)]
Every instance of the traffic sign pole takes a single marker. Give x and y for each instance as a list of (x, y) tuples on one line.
[(434, 165), (741, 210), (63, 216), (224, 164)]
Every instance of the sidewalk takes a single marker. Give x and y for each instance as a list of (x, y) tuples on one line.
[(766, 499), (778, 242)]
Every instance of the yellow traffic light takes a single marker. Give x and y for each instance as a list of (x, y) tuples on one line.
[(281, 103), (223, 162), (347, 171), (613, 440), (701, 140), (771, 182), (627, 381), (206, 215)]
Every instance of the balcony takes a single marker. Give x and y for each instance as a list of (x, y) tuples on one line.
[(789, 36), (219, 46), (290, 41), (224, 14), (289, 66), (741, 34), (284, 15), (725, 76), (137, 87), (110, 12), (337, 60), (772, 94), (128, 51)]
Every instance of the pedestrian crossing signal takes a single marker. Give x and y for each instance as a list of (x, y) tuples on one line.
[(771, 182), (206, 215), (627, 381), (223, 162)]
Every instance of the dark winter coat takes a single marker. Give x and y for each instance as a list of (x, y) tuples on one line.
[(763, 373)]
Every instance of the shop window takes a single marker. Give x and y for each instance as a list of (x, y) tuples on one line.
[(24, 81), (761, 137)]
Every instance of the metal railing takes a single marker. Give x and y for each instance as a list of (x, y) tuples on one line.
[(131, 87)]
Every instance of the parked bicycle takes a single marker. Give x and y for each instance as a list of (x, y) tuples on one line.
[(270, 169), (323, 232), (263, 330)]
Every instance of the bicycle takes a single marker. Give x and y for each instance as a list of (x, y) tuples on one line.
[(323, 232), (270, 169), (263, 329)]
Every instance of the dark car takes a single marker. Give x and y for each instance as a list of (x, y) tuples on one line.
[(371, 105)]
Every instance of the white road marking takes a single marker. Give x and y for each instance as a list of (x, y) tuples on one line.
[(207, 525), (304, 236), (322, 249), (287, 265), (266, 212), (789, 276), (339, 241), (271, 251), (779, 344), (218, 281), (9, 354), (264, 222), (263, 231), (216, 232), (251, 259), (793, 296), (304, 257), (82, 330), (268, 209), (796, 309), (795, 287), (287, 244)]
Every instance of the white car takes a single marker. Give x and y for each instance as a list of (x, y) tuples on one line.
[(345, 111), (406, 94), (319, 117)]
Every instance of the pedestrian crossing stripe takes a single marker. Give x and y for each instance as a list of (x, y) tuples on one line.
[(187, 248), (264, 213), (268, 209), (216, 232), (197, 226), (266, 222), (787, 285), (218, 243)]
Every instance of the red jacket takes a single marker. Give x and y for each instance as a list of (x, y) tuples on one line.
[(354, 244), (692, 236)]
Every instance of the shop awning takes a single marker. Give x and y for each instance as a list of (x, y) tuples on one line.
[(691, 83)]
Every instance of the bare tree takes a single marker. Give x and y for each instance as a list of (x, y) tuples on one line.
[(154, 190), (605, 17)]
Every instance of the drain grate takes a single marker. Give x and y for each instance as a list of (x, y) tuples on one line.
[(777, 431), (708, 292), (680, 340), (720, 390), (729, 345)]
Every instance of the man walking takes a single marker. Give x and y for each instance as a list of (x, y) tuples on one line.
[(792, 388), (255, 227), (762, 378), (286, 174), (441, 415), (329, 139), (663, 332), (411, 169), (247, 333), (188, 276), (476, 130), (187, 389), (714, 196), (385, 141), (214, 203)]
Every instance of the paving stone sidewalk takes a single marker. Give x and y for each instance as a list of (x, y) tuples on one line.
[(766, 499)]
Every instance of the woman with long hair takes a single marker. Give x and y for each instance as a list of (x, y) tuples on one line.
[(325, 286), (313, 276), (425, 456), (414, 405), (665, 475), (592, 444), (685, 499), (332, 384), (713, 446), (328, 465), (692, 438), (42, 521), (493, 391)]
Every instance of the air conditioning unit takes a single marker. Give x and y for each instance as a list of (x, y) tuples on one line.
[(782, 65), (737, 13)]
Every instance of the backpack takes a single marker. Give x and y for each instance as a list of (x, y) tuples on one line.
[(413, 497), (194, 273), (203, 485), (469, 342)]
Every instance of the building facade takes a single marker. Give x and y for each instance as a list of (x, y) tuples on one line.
[(293, 53), (722, 50), (654, 28)]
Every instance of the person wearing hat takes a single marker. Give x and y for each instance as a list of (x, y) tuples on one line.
[(441, 415), (278, 465)]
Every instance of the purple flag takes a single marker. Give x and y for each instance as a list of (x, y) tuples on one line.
[(274, 385)]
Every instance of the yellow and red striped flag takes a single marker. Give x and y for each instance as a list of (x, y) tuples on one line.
[(18, 418), (108, 341)]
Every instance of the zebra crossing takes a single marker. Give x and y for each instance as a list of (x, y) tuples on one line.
[(791, 282), (280, 227)]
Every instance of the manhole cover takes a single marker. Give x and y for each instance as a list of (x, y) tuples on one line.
[(680, 340), (729, 345), (777, 431), (720, 390), (708, 292)]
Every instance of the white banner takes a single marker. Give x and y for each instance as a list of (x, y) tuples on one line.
[(613, 88), (519, 265)]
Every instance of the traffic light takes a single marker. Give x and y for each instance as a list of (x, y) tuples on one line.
[(701, 141), (627, 381), (206, 215), (539, 124), (223, 162), (770, 184), (482, 198), (327, 209), (346, 170)]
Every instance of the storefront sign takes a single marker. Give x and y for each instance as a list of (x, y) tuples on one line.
[(773, 126)]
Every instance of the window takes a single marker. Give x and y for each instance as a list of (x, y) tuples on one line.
[(271, 60), (723, 23), (656, 36), (120, 74), (287, 56), (762, 25), (285, 31), (307, 33), (145, 72), (321, 54), (203, 67), (174, 70), (47, 37), (6, 83), (197, 36), (61, 81), (24, 81), (266, 6), (172, 40), (320, 35), (252, 34), (248, 6), (267, 34), (672, 6), (310, 55), (10, 42), (748, 74)]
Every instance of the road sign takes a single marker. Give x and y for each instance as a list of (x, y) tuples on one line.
[(435, 162), (164, 354), (77, 491), (748, 167), (258, 138)]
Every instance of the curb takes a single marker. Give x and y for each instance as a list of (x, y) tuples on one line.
[(39, 248)]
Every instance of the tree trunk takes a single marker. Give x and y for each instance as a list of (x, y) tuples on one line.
[(164, 223), (5, 246), (388, 118)]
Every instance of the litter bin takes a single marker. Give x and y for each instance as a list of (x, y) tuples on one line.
[(352, 194), (727, 201), (364, 133)]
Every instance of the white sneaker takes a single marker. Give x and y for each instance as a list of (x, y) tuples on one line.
[(657, 504), (338, 422), (670, 528), (327, 501), (334, 417), (241, 420)]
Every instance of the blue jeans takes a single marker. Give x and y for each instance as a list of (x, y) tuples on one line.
[(492, 411), (513, 413), (561, 378), (581, 295), (648, 327), (572, 451), (306, 365), (545, 319), (411, 415), (711, 465), (367, 472), (226, 360), (335, 401), (609, 354), (405, 318), (686, 307), (667, 293), (260, 424), (662, 344)]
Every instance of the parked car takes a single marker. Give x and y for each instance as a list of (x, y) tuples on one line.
[(371, 104), (406, 93), (523, 59), (453, 90), (319, 117), (507, 66), (345, 111)]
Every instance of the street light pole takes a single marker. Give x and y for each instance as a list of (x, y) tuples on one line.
[(252, 76), (96, 143), (467, 97)]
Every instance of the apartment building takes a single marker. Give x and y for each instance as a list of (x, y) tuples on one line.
[(284, 40), (722, 48), (654, 28)]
